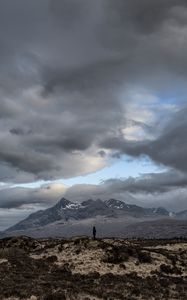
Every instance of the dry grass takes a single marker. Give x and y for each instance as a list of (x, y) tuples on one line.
[(81, 268)]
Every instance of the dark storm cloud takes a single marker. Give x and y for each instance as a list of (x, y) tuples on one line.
[(20, 131), (145, 16), (69, 12), (17, 197), (65, 65), (169, 148), (23, 197)]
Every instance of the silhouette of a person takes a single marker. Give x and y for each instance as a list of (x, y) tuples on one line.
[(94, 232)]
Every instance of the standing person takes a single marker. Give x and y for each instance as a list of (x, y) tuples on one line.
[(94, 232)]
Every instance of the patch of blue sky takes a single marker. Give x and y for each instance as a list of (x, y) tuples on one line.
[(123, 168), (174, 98), (120, 169)]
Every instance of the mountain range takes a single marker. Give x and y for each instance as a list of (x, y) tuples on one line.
[(66, 210), (69, 218)]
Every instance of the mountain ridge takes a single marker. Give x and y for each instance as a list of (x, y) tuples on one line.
[(65, 210)]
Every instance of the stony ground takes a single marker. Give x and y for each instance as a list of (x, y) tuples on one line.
[(80, 268)]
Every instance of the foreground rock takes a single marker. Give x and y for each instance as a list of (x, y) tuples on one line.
[(80, 268)]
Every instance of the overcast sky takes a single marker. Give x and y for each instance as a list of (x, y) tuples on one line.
[(92, 103)]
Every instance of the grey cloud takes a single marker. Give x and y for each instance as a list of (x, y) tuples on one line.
[(8, 109), (102, 153), (17, 131), (149, 190), (16, 203), (153, 183), (21, 197), (145, 16), (16, 197), (69, 12), (168, 149), (129, 189), (65, 65), (20, 131)]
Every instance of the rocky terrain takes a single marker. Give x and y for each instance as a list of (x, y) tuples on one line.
[(82, 268)]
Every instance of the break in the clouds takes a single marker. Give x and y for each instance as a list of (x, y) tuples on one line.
[(168, 148), (83, 82)]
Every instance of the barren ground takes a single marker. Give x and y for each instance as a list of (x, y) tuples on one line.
[(80, 268)]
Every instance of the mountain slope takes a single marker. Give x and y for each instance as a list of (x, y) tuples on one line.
[(66, 210), (63, 210)]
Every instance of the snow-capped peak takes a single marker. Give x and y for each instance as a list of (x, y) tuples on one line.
[(117, 204)]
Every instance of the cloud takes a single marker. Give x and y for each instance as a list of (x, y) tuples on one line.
[(154, 189), (147, 190), (144, 187), (74, 78), (27, 198), (168, 148)]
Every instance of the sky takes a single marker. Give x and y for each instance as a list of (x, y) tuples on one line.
[(92, 103)]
